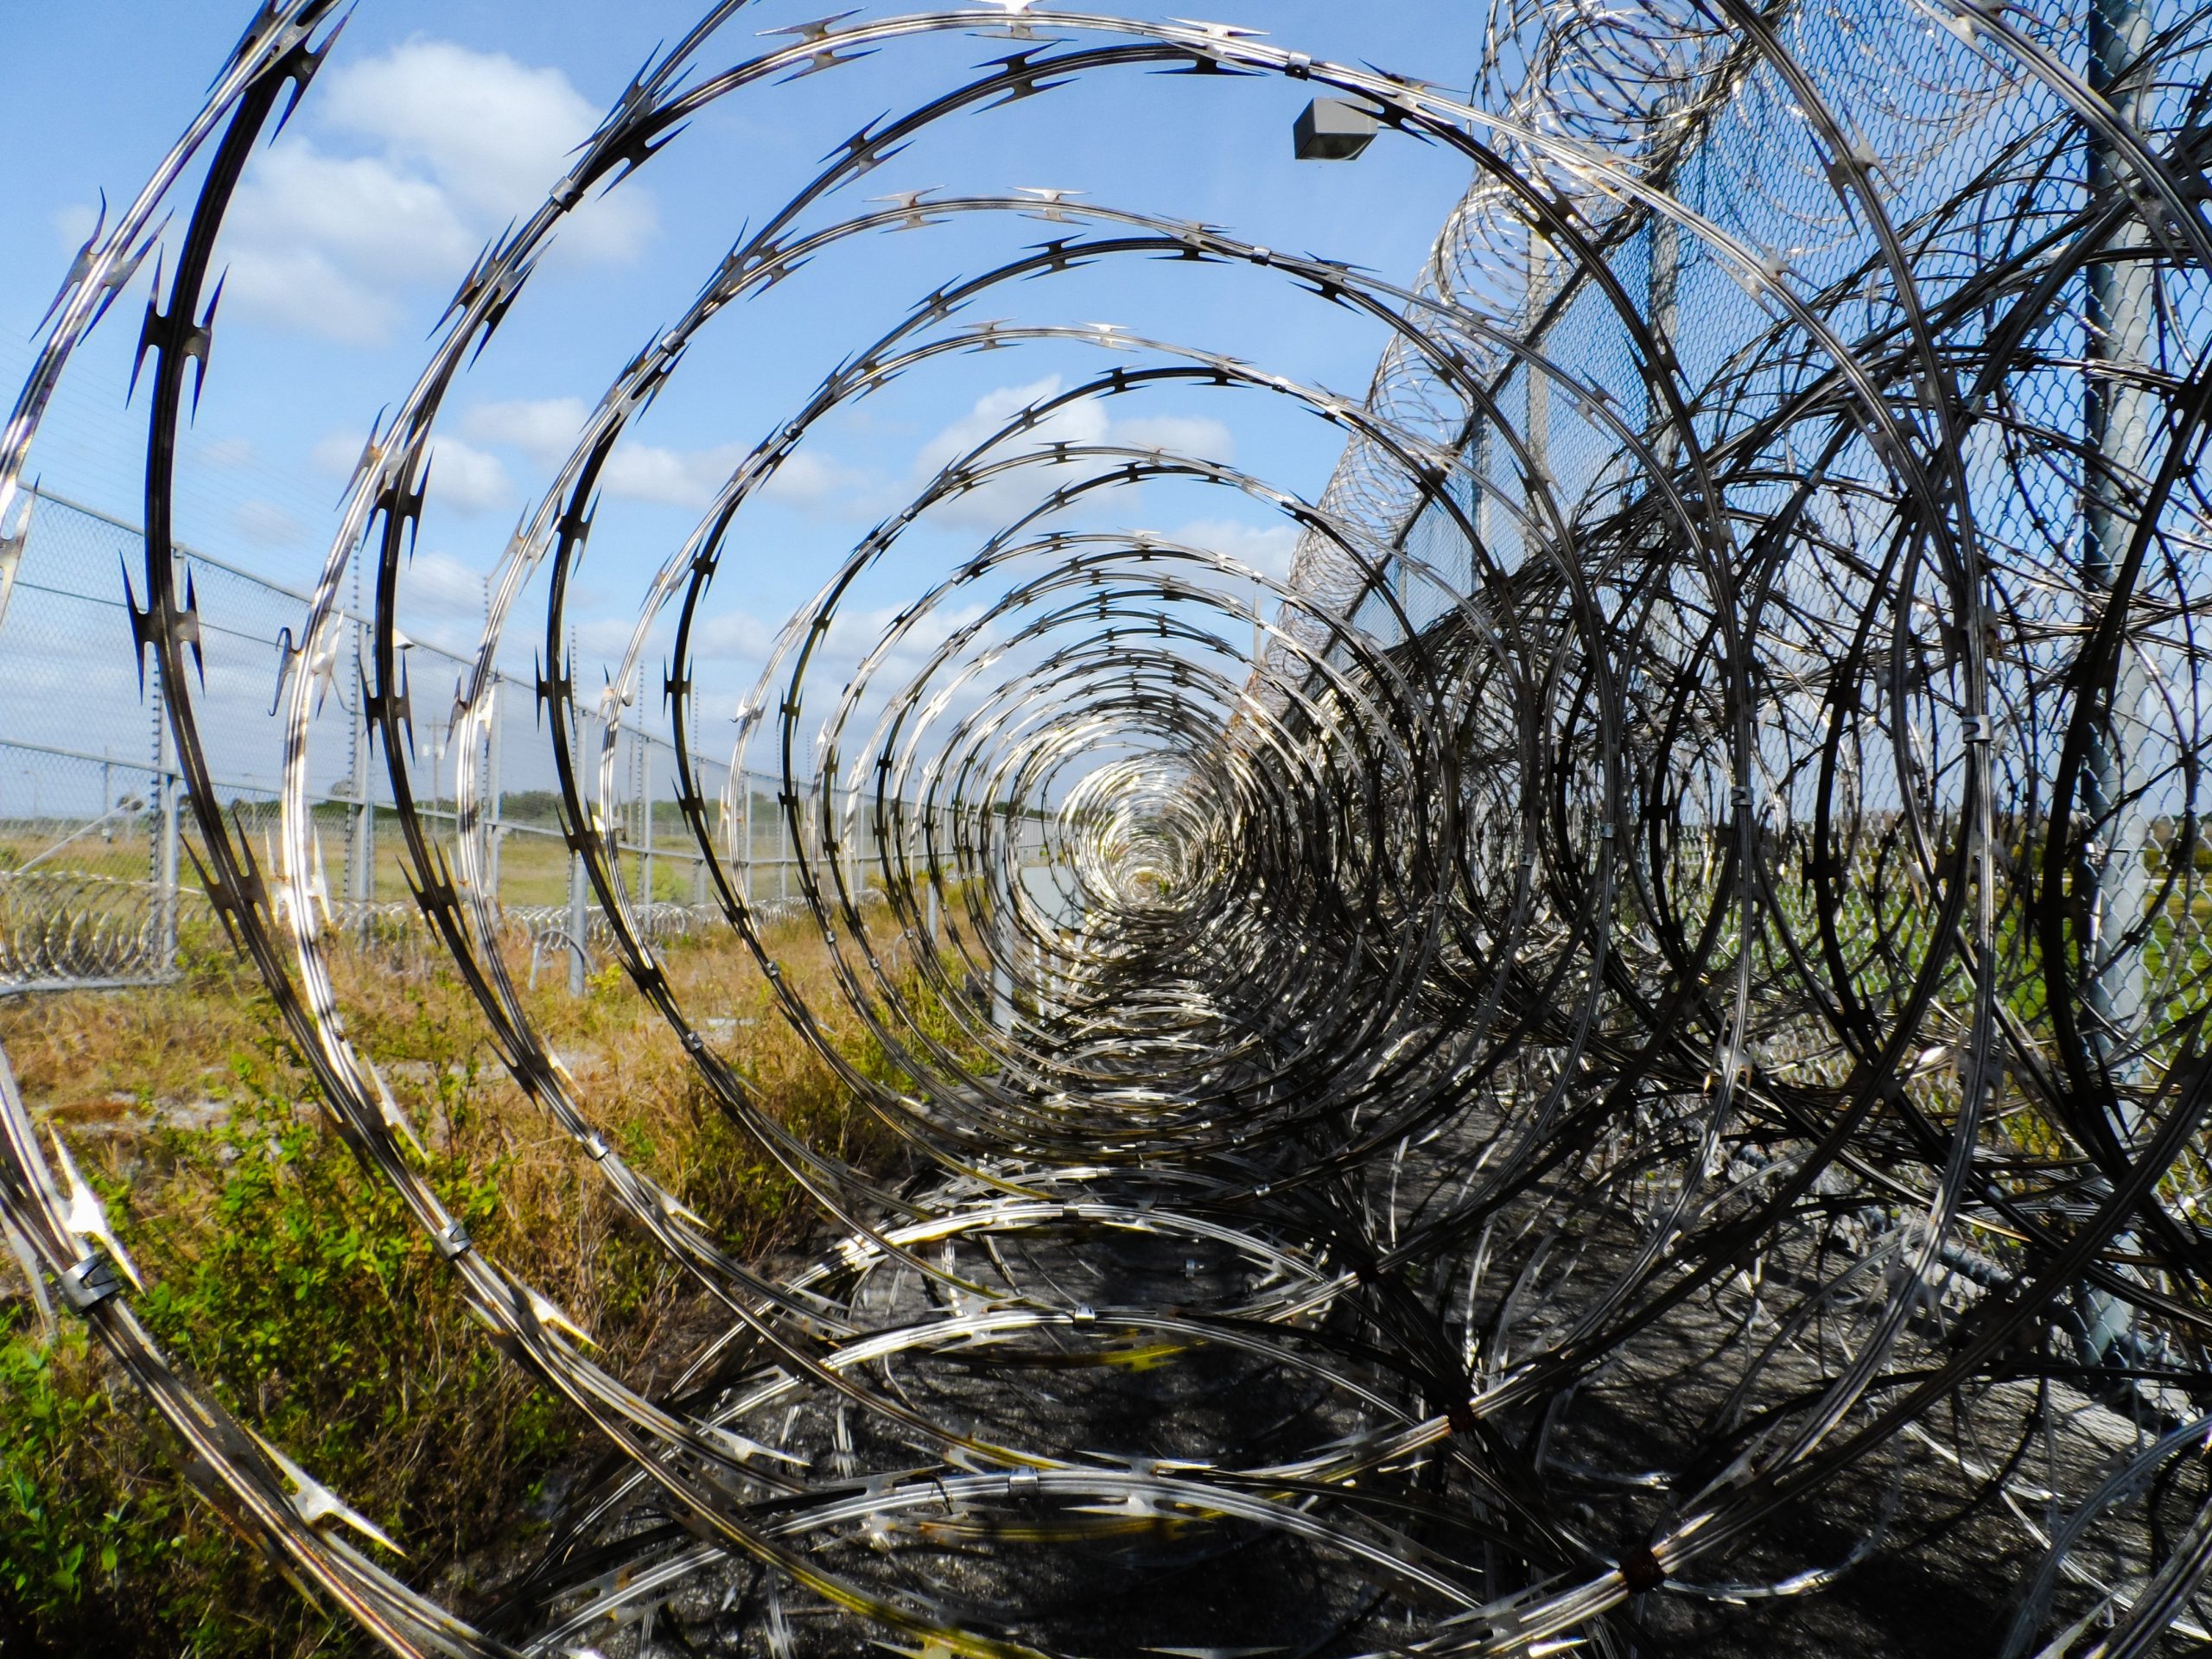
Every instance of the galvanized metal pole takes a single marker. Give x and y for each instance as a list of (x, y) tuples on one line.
[(167, 856), (854, 867), (698, 861), (2118, 414), (1666, 278), (1664, 299), (929, 875), (1479, 513), (361, 843), (645, 793), (643, 773), (579, 920), (2119, 322), (496, 832), (1537, 429), (12, 546)]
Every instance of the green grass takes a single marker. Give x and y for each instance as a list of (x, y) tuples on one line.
[(291, 1286)]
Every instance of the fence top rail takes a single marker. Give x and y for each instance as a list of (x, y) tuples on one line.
[(195, 554), (78, 755), (507, 677)]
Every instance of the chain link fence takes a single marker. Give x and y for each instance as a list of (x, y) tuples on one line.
[(97, 884)]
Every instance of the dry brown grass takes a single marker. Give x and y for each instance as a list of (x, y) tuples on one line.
[(292, 1286)]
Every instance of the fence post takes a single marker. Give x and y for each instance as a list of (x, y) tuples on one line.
[(1665, 292), (12, 546), (2118, 419), (645, 795), (495, 825), (931, 824), (577, 923), (361, 844), (1536, 384), (166, 854), (745, 821)]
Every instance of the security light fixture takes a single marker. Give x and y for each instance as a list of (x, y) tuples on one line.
[(1333, 129)]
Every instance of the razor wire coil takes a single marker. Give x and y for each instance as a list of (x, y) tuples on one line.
[(1648, 1024)]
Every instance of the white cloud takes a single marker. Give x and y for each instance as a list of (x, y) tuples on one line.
[(1267, 549), (1194, 436), (993, 503), (266, 524), (463, 476), (73, 224), (417, 157), (466, 477), (690, 478), (741, 637), (443, 582), (321, 245), (605, 639), (734, 636), (675, 477), (815, 483), (544, 428), (441, 604), (337, 454), (545, 431), (1084, 422), (224, 452), (493, 133)]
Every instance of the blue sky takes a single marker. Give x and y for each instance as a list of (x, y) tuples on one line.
[(433, 125)]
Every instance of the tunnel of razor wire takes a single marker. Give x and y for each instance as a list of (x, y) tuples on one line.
[(1615, 1063)]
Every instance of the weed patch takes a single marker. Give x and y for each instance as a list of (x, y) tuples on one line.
[(293, 1288)]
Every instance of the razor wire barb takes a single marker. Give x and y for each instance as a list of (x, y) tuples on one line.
[(1650, 1024)]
